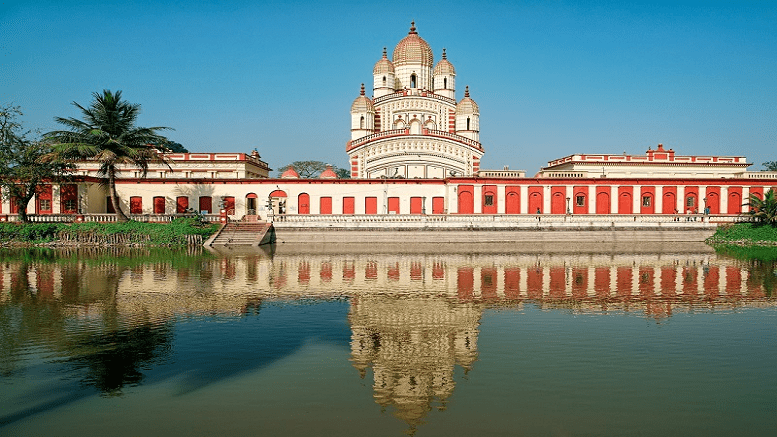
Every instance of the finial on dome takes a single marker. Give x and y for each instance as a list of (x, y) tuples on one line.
[(362, 91), (443, 54), (412, 28), (466, 91), (384, 53)]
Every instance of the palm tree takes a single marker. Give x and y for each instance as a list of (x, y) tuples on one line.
[(764, 210), (108, 135)]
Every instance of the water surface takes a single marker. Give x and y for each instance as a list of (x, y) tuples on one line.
[(304, 341)]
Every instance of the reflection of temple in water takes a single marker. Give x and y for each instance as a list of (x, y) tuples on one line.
[(412, 345), (414, 318), (657, 284)]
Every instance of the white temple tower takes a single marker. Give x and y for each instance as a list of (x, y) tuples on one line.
[(413, 127)]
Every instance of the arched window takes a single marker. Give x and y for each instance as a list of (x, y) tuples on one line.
[(384, 80), (445, 83), (467, 123), (361, 123), (412, 81)]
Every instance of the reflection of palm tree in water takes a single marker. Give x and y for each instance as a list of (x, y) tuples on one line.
[(112, 360), (114, 357), (413, 346)]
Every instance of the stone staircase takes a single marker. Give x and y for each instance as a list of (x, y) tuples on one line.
[(244, 234)]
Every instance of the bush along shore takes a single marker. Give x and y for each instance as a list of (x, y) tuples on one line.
[(179, 232), (745, 234)]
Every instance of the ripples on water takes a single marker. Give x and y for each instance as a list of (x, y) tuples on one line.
[(297, 342)]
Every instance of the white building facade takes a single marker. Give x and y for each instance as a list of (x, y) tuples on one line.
[(413, 127)]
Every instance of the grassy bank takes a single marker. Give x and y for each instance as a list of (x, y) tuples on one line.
[(745, 234), (180, 232)]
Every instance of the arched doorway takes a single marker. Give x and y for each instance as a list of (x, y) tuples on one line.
[(734, 202), (625, 204), (466, 200), (415, 126), (602, 202), (669, 204), (535, 202), (278, 202), (251, 203), (557, 204), (303, 203)]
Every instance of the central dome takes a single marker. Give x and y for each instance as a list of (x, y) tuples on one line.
[(413, 49)]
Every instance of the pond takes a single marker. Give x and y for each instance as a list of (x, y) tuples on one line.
[(355, 340)]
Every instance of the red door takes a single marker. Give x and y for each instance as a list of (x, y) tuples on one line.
[(303, 201), (602, 200), (348, 205), (393, 205), (489, 199), (466, 199), (136, 205), (713, 200), (669, 202), (647, 201), (181, 204), (206, 204), (558, 200), (535, 200), (326, 205), (625, 203), (416, 205), (438, 205), (734, 200), (159, 205), (580, 200), (370, 205), (512, 200)]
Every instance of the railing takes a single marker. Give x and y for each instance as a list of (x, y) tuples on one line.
[(497, 220), (414, 93), (106, 218), (406, 132)]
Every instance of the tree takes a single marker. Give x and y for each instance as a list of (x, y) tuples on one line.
[(764, 210), (312, 169), (174, 147), (107, 134), (770, 165), (26, 163)]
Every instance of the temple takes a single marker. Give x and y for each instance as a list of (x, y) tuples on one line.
[(414, 150)]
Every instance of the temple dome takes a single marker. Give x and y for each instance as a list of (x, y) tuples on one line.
[(383, 66), (413, 49), (444, 66), (362, 103), (290, 173), (467, 105), (328, 173)]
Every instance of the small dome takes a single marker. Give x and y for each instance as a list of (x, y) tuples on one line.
[(444, 66), (413, 48), (362, 103), (384, 65), (467, 105), (328, 173), (290, 173)]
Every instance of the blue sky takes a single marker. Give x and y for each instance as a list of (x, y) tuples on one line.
[(551, 78)]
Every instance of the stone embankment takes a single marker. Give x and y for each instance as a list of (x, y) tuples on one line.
[(549, 230)]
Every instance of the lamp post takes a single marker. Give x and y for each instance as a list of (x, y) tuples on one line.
[(569, 211), (706, 210)]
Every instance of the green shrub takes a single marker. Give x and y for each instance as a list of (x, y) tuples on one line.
[(750, 232), (173, 233)]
